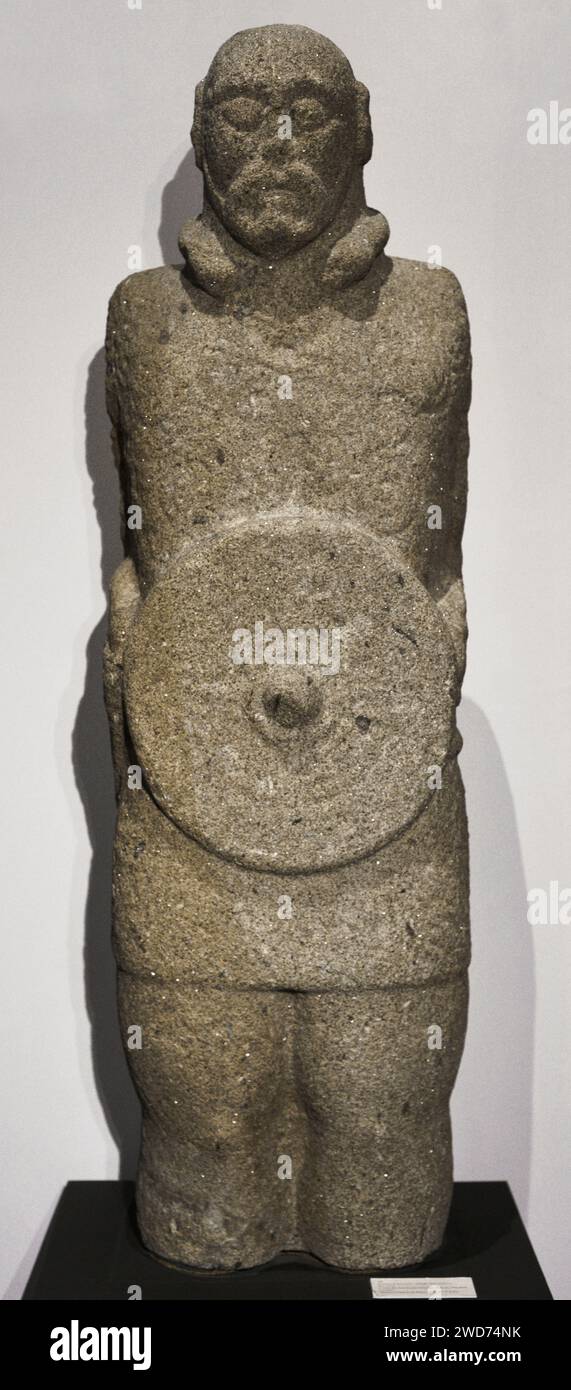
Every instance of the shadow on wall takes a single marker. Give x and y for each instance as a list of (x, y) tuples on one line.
[(181, 198), (493, 1098)]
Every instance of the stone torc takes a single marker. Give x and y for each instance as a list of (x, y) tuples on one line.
[(285, 656)]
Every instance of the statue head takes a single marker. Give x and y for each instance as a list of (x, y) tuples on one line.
[(281, 129)]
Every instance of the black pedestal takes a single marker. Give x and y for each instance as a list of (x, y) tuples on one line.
[(92, 1251)]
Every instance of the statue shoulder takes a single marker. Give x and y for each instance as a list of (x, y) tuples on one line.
[(142, 299), (138, 310), (431, 290), (423, 317)]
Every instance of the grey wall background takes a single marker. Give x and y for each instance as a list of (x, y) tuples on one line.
[(97, 101)]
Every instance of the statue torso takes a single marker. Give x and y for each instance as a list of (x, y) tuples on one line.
[(349, 407), (349, 410)]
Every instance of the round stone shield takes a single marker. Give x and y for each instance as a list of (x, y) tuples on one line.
[(289, 686)]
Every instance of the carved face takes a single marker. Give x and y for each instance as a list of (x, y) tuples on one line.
[(278, 136)]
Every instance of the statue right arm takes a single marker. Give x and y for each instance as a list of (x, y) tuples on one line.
[(124, 603), (124, 593)]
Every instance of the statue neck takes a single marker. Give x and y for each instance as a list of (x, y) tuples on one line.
[(340, 256)]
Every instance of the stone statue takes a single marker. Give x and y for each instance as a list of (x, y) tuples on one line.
[(285, 654)]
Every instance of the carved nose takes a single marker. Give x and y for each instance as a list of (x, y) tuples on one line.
[(292, 705)]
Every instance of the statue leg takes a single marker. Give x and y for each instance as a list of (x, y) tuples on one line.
[(212, 1074), (374, 1073)]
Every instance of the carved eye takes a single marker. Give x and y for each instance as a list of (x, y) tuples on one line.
[(308, 113), (243, 113)]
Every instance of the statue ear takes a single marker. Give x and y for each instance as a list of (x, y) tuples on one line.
[(364, 132), (196, 132)]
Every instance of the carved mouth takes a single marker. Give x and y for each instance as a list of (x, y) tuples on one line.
[(282, 195)]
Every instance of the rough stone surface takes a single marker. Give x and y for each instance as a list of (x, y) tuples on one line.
[(285, 655)]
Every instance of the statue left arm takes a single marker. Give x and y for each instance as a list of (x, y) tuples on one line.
[(450, 591)]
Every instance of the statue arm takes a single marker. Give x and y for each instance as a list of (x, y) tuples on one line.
[(450, 595), (124, 602), (452, 599), (124, 593)]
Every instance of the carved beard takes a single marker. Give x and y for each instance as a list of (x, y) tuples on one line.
[(269, 209)]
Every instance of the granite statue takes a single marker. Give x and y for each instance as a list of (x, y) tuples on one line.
[(284, 661)]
